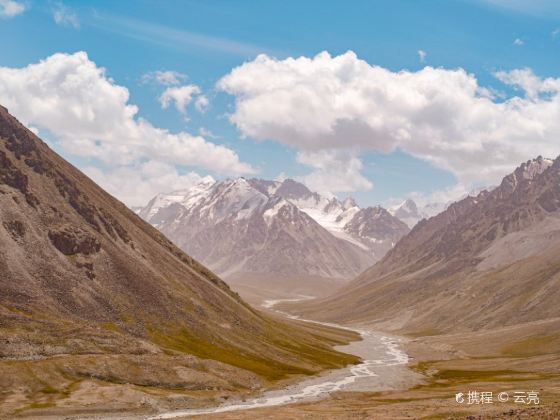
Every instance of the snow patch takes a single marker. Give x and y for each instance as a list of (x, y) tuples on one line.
[(271, 213)]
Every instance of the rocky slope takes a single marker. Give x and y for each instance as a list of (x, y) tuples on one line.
[(486, 261), (91, 292), (273, 228)]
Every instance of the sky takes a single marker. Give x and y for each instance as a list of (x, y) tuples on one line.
[(380, 100)]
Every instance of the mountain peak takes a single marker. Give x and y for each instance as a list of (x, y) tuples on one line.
[(409, 205), (207, 180), (526, 172), (348, 203), (238, 181), (291, 189), (535, 167), (407, 211)]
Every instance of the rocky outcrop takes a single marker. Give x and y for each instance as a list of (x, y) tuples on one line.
[(72, 241)]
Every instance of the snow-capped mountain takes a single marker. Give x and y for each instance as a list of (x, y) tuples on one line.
[(372, 228), (410, 213), (259, 226)]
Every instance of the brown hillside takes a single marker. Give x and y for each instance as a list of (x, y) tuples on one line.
[(81, 275)]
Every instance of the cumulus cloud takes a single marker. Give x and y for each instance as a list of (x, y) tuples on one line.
[(181, 96), (334, 171), (519, 42), (434, 202), (90, 115), (422, 55), (164, 77), (65, 16), (526, 81), (11, 8), (137, 184), (443, 116), (441, 198)]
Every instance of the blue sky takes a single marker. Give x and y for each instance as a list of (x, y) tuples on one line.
[(206, 40)]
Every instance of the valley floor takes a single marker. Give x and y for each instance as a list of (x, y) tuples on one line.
[(383, 368), (522, 358)]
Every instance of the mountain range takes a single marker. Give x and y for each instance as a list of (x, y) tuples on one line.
[(252, 227), (485, 262)]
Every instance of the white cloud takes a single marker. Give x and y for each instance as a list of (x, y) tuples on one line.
[(442, 116), (65, 16), (11, 8), (137, 184), (442, 197), (204, 132), (90, 115), (180, 95), (201, 103), (164, 77), (334, 171), (165, 36), (519, 42), (555, 33), (422, 55), (434, 202), (526, 81)]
